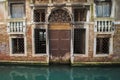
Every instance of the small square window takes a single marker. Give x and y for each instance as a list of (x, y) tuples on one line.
[(102, 46), (80, 14), (39, 15), (17, 45)]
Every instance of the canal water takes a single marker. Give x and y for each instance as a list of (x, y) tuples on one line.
[(58, 73)]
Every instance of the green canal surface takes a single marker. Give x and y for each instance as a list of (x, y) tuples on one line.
[(58, 73)]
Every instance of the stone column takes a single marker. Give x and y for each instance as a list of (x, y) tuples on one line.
[(47, 42)]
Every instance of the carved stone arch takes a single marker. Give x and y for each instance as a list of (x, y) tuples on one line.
[(59, 15)]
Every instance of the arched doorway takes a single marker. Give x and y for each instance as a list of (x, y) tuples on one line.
[(59, 36)]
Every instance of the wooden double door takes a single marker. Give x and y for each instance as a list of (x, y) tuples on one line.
[(60, 45)]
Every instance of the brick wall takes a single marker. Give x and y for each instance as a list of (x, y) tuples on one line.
[(4, 40), (5, 48)]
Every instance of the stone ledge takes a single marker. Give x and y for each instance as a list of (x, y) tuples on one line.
[(23, 63), (96, 64)]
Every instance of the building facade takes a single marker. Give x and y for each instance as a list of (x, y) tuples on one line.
[(60, 31)]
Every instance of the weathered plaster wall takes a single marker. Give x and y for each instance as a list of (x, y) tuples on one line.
[(2, 11), (117, 10), (4, 40), (116, 43)]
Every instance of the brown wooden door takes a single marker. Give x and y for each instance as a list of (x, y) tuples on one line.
[(59, 45)]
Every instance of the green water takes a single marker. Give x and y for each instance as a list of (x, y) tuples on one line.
[(58, 73)]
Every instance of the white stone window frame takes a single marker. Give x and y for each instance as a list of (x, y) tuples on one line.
[(86, 27), (111, 38), (110, 47), (86, 42), (47, 42), (32, 13), (25, 46), (15, 2), (112, 10)]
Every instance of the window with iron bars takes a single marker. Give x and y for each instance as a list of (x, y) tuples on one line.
[(39, 15), (102, 46), (40, 41), (79, 41), (17, 45), (80, 14)]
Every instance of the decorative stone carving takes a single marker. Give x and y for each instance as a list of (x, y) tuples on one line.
[(59, 16)]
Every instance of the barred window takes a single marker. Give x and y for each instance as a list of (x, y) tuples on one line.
[(39, 15), (40, 41), (103, 8), (17, 10), (79, 41), (17, 45), (80, 14), (102, 46)]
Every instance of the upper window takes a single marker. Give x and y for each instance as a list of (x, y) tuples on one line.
[(80, 14), (39, 15), (17, 10), (103, 8)]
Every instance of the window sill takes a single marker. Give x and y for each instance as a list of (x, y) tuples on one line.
[(81, 55), (101, 55), (109, 33), (18, 54), (38, 22), (39, 55), (104, 18)]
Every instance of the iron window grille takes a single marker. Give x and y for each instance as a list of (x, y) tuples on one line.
[(79, 41), (102, 46), (40, 41), (39, 15), (80, 14), (17, 45)]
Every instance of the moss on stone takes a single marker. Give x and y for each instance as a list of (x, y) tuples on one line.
[(99, 64), (23, 63)]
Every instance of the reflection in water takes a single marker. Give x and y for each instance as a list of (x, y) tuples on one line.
[(17, 76), (101, 78), (58, 73), (40, 77)]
